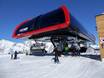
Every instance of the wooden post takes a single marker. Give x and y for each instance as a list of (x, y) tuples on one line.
[(100, 30)]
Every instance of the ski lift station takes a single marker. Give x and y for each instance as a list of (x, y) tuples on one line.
[(59, 27)]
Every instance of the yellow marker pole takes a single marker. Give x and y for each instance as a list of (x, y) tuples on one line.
[(100, 30)]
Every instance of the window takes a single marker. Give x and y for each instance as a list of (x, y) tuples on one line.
[(28, 26), (52, 18)]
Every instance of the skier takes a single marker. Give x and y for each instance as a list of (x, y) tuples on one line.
[(56, 59), (57, 50), (15, 55), (11, 53), (66, 49), (75, 49)]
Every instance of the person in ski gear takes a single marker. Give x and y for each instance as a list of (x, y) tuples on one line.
[(12, 53), (56, 59), (15, 55), (75, 49), (66, 49)]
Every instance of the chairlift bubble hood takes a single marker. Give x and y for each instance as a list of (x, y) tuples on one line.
[(54, 23)]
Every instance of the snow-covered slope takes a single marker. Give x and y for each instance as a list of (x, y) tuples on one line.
[(44, 67), (6, 46)]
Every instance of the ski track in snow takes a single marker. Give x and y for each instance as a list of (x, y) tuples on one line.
[(44, 67)]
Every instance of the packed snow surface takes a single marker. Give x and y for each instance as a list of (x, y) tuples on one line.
[(44, 67)]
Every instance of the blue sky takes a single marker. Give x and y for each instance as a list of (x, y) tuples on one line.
[(13, 12)]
